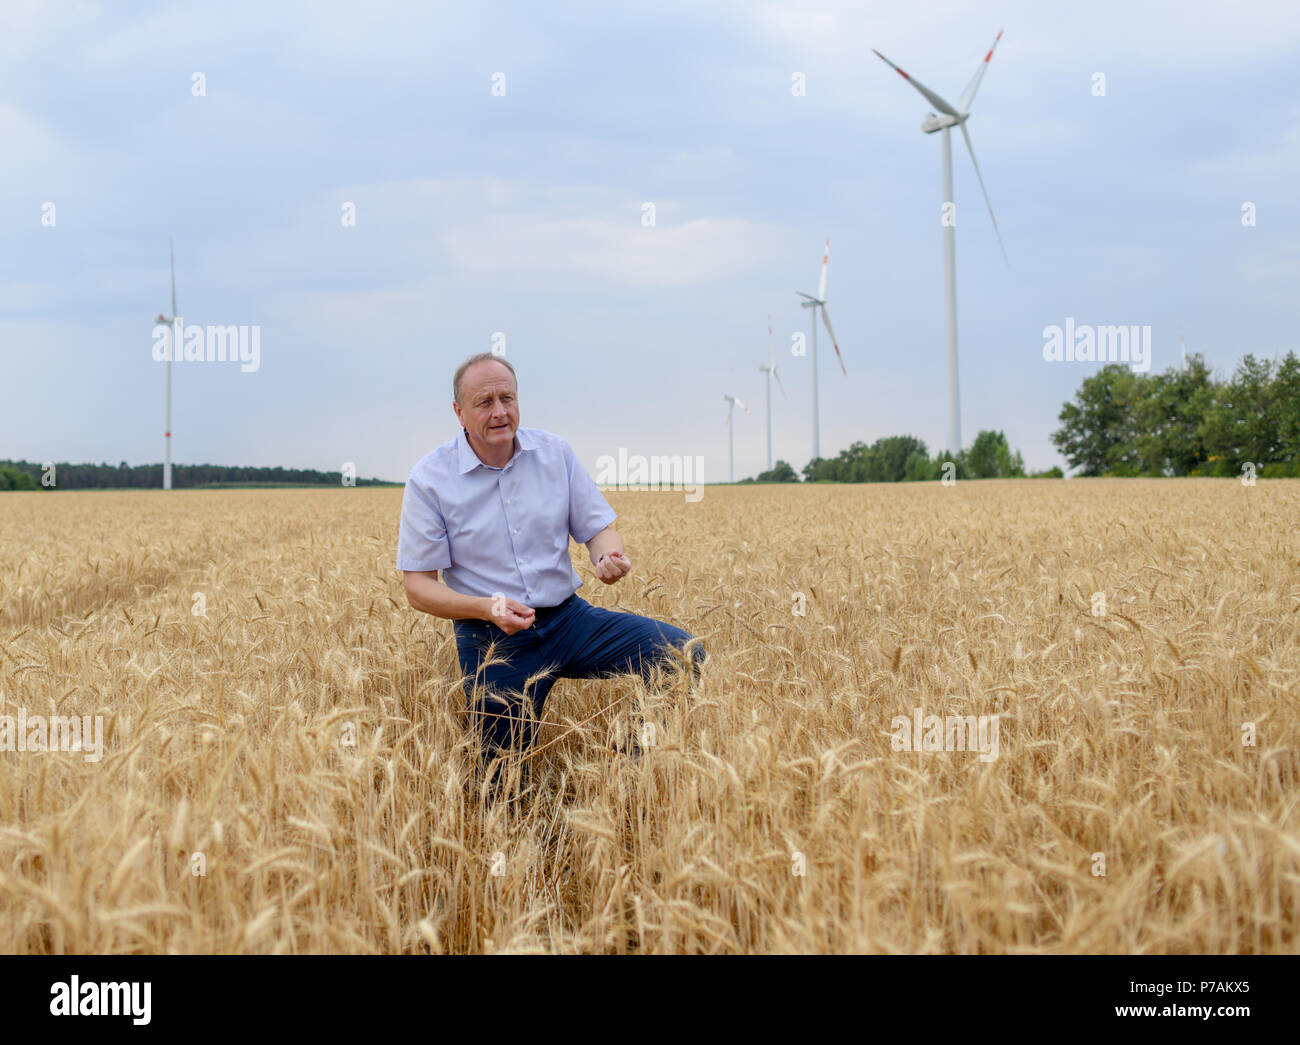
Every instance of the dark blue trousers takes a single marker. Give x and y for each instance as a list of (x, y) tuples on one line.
[(574, 640)]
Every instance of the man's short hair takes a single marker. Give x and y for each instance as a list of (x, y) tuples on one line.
[(480, 357)]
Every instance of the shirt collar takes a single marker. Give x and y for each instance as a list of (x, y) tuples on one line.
[(468, 460)]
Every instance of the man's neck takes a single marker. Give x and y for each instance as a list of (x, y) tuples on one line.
[(484, 455)]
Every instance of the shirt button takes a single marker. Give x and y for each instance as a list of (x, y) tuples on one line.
[(516, 531)]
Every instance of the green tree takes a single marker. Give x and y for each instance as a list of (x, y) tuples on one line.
[(1098, 429), (990, 457), (891, 455), (781, 472), (1170, 417), (918, 467), (1286, 382), (1252, 416), (12, 478)]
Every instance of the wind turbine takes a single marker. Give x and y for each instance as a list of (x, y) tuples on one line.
[(173, 349), (770, 371), (732, 403), (947, 118), (815, 303)]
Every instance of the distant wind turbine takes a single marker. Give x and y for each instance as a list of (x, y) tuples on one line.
[(770, 371), (947, 118), (732, 403), (175, 322), (815, 303)]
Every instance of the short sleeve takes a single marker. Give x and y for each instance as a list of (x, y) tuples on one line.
[(422, 542), (589, 512)]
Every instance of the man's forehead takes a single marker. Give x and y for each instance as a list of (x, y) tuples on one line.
[(488, 376)]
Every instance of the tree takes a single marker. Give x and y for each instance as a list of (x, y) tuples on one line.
[(892, 454), (781, 472), (917, 468), (13, 479), (1098, 429), (990, 457), (1252, 417), (1286, 382), (957, 460), (1170, 418)]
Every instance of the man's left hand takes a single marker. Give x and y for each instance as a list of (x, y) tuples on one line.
[(612, 566)]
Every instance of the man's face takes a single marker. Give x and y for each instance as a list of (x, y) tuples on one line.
[(489, 405)]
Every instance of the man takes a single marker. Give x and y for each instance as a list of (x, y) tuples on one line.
[(494, 509)]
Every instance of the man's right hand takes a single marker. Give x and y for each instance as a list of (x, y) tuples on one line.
[(510, 615)]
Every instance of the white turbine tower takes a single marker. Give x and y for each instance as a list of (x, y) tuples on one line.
[(770, 371), (732, 403), (944, 120), (175, 321), (815, 303)]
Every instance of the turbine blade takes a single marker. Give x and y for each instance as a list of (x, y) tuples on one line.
[(771, 348), (965, 134), (826, 260), (171, 250), (968, 95), (742, 406), (827, 320), (930, 96), (778, 382)]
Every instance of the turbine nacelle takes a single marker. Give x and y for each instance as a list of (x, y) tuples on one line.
[(937, 121)]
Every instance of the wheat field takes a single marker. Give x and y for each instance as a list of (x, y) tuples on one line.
[(285, 759)]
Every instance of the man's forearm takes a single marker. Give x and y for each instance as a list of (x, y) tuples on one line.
[(429, 595), (607, 540)]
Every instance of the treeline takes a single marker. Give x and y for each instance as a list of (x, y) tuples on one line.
[(1183, 422), (25, 475), (905, 458)]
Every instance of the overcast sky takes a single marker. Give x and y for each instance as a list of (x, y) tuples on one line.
[(522, 213)]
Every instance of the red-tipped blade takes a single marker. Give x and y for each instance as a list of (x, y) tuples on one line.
[(834, 344), (930, 96), (968, 95)]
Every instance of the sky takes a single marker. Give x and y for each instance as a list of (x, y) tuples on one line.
[(503, 162)]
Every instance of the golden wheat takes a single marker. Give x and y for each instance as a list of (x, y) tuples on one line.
[(277, 718)]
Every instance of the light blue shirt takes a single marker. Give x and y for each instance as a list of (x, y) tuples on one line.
[(501, 530)]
